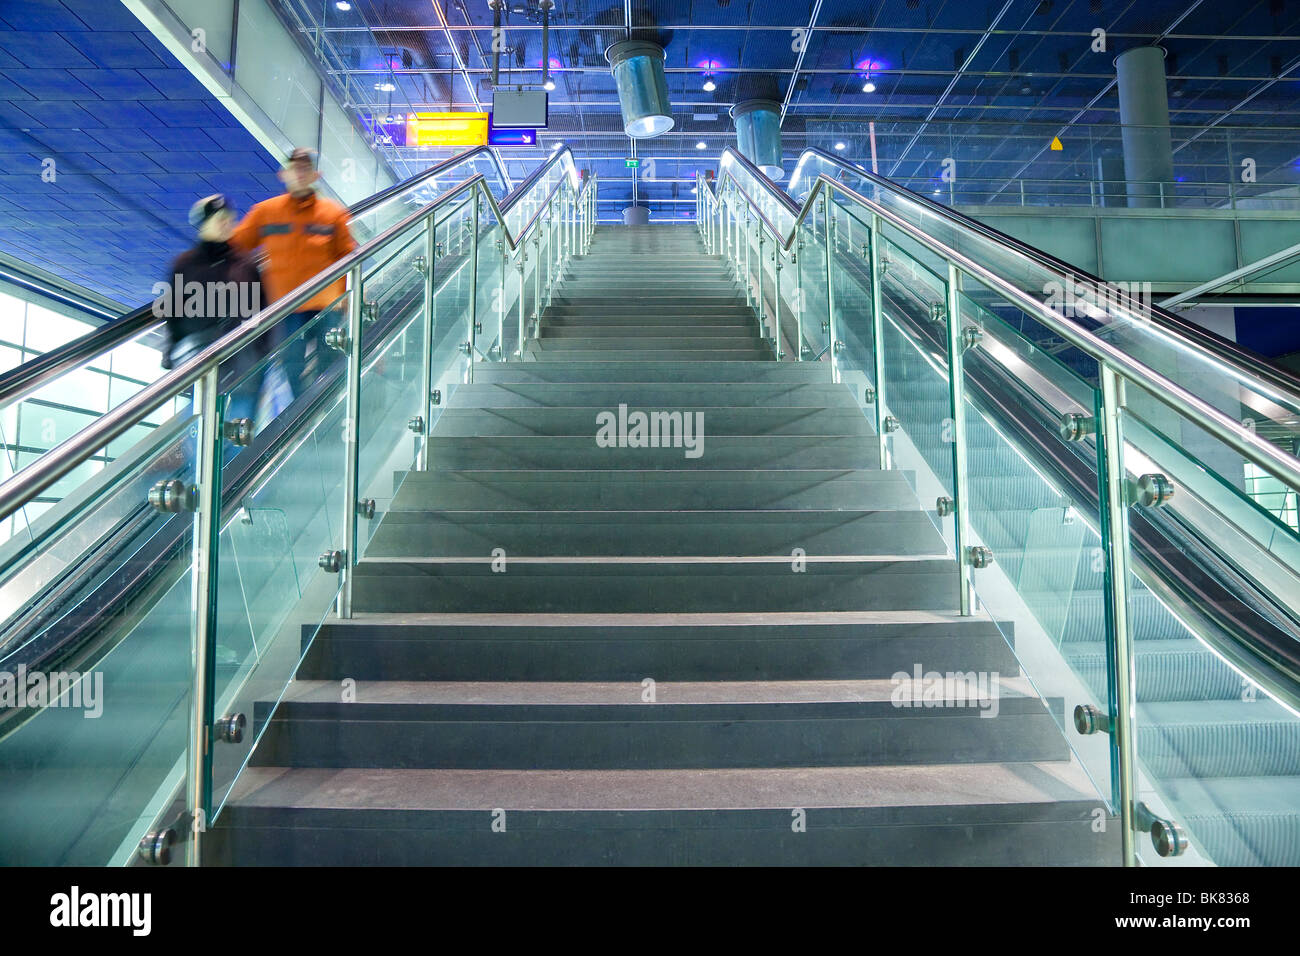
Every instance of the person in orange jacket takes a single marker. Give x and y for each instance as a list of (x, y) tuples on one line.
[(302, 234)]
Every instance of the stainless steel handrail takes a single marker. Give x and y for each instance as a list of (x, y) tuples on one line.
[(18, 383), (56, 463), (1267, 456), (1219, 348)]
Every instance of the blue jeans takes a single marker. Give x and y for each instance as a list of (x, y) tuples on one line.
[(295, 355)]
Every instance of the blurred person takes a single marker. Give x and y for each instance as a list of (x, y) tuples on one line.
[(302, 234), (210, 290)]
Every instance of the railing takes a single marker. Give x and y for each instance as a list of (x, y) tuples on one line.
[(1091, 489), (208, 527), (51, 376)]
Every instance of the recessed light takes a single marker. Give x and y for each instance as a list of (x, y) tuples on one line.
[(868, 87), (549, 85), (709, 85), (839, 145), (701, 145), (385, 87), (343, 6), (556, 146)]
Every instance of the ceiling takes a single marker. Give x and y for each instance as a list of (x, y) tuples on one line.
[(105, 142), (987, 84)]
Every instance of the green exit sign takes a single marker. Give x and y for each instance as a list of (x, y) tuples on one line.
[(633, 163)]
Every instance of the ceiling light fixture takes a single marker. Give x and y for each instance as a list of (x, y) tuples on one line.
[(709, 84), (868, 87), (701, 145), (343, 6), (839, 145), (385, 87), (549, 85)]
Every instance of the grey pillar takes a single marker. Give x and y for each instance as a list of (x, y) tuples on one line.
[(1144, 124), (1110, 173), (636, 216)]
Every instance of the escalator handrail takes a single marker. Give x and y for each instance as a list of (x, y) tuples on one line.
[(49, 468), (18, 383), (1221, 349), (1231, 432)]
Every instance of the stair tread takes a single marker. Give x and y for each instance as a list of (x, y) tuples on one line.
[(629, 693), (973, 785)]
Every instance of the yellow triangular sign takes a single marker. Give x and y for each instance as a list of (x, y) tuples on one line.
[(1056, 144)]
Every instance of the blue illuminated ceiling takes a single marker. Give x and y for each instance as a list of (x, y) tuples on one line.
[(105, 142), (986, 83)]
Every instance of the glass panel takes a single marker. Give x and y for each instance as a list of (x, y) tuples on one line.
[(1217, 751), (915, 388), (1046, 584), (84, 770), (272, 595)]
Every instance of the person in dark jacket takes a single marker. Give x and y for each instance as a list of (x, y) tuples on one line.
[(211, 289)]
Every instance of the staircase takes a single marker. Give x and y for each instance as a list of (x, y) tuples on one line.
[(569, 652)]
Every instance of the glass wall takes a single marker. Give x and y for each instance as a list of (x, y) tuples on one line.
[(30, 326)]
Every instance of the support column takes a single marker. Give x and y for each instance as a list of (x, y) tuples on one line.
[(1144, 126)]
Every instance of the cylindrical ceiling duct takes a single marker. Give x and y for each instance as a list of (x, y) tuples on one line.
[(758, 134), (638, 68)]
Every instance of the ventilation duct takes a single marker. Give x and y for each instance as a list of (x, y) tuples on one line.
[(638, 68), (758, 134)]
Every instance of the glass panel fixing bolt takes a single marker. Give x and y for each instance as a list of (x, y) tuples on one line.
[(173, 496)]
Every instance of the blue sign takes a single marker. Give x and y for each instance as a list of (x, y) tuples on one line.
[(510, 137)]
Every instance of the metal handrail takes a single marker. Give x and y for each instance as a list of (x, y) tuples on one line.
[(1265, 455), (1218, 346), (56, 463), (18, 383), (1274, 260)]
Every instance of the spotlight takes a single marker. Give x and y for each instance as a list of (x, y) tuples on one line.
[(343, 6), (385, 87), (549, 85), (701, 145), (868, 87), (557, 146), (839, 145), (709, 85)]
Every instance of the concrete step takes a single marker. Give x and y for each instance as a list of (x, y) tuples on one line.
[(929, 814), (644, 355), (649, 585), (641, 395), (583, 422), (532, 453), (661, 490), (679, 342), (431, 534), (698, 725), (707, 331), (670, 647), (635, 321), (663, 370)]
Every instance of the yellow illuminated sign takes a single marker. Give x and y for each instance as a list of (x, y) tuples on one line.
[(1056, 144), (446, 129)]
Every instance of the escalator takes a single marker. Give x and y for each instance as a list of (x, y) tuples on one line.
[(1208, 606), (97, 590)]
